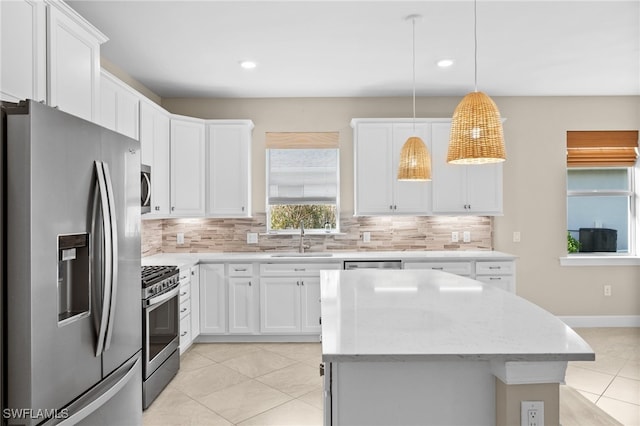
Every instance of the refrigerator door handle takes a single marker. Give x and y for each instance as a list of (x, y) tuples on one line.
[(99, 395), (107, 254), (113, 220)]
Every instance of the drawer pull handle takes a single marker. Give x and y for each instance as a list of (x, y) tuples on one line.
[(495, 278), (495, 267), (184, 333), (299, 269), (183, 310), (183, 294), (438, 268), (249, 283), (240, 269)]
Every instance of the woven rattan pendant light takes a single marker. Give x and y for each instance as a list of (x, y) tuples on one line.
[(415, 161), (476, 128)]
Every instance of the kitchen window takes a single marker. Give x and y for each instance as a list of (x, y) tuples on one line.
[(601, 200), (302, 182)]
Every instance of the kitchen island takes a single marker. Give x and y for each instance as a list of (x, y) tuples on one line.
[(428, 347)]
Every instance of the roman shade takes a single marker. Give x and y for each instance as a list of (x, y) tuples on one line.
[(302, 168), (613, 148)]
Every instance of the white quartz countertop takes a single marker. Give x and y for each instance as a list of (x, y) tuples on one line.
[(186, 259), (387, 315)]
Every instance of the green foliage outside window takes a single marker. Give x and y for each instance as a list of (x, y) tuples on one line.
[(316, 216), (573, 245)]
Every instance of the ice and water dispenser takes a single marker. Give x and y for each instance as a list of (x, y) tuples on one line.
[(74, 283)]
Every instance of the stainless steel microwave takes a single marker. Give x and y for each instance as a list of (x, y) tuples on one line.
[(145, 188)]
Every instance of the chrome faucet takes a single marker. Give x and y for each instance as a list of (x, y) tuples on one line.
[(301, 249)]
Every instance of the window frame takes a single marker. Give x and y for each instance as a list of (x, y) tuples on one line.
[(309, 231), (632, 218)]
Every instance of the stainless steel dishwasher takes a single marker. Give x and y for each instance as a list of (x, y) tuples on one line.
[(372, 264)]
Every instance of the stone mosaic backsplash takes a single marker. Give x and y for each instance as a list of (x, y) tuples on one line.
[(388, 233)]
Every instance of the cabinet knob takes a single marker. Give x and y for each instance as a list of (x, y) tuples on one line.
[(301, 282), (193, 272), (390, 207), (242, 208), (297, 283), (249, 283), (173, 208)]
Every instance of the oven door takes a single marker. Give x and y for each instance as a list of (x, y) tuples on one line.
[(145, 188), (161, 324)]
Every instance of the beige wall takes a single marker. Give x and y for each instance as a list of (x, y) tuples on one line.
[(534, 178)]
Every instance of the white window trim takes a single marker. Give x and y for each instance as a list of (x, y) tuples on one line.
[(611, 259)]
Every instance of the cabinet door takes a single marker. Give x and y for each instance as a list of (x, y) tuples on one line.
[(229, 165), (119, 107), (449, 180), (280, 305), (213, 299), (23, 50), (484, 188), (195, 301), (241, 305), (410, 197), (373, 174), (187, 167), (155, 146), (310, 310), (73, 55)]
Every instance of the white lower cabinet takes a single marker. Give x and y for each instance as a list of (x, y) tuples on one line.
[(184, 309), (213, 299), (243, 310), (501, 274), (195, 301), (290, 298)]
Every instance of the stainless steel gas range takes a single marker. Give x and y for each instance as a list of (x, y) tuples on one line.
[(160, 329)]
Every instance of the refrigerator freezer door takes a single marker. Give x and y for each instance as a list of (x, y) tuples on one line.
[(50, 166)]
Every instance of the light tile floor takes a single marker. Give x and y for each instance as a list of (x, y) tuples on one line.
[(279, 384), (612, 381)]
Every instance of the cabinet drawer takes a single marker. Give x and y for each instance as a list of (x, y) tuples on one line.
[(295, 269), (185, 276), (185, 330), (504, 282), (185, 292), (495, 268), (185, 309), (240, 269), (458, 268)]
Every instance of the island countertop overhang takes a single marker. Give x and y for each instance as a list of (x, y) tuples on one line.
[(385, 315)]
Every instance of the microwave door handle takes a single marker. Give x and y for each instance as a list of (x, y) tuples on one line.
[(146, 200), (113, 221), (105, 259)]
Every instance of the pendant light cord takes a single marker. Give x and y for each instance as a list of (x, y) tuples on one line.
[(414, 73), (475, 44)]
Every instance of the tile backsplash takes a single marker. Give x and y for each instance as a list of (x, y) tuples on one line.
[(388, 233)]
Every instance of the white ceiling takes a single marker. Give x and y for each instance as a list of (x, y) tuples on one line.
[(363, 48)]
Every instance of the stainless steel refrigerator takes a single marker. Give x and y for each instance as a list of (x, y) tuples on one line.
[(71, 271)]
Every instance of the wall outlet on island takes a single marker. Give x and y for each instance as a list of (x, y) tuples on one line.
[(180, 238), (532, 413)]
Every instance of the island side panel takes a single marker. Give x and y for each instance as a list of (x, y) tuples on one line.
[(410, 393)]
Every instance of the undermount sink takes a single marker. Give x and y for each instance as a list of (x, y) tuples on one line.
[(301, 255)]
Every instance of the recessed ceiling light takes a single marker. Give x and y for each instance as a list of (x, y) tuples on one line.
[(248, 65), (445, 63)]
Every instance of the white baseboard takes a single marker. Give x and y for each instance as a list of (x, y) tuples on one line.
[(601, 321)]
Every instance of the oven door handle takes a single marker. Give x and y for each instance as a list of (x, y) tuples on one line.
[(163, 297)]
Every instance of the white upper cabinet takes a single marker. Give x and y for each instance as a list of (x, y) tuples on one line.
[(23, 47), (377, 145), (187, 166), (229, 168), (73, 55), (155, 129), (119, 106), (463, 189)]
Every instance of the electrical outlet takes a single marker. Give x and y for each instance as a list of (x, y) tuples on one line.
[(466, 236), (454, 237), (252, 238), (516, 236), (366, 237), (180, 238), (607, 290), (532, 413)]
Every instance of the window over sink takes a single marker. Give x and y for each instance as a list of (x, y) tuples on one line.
[(302, 182)]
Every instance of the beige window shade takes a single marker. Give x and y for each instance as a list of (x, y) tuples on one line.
[(302, 140), (602, 148)]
